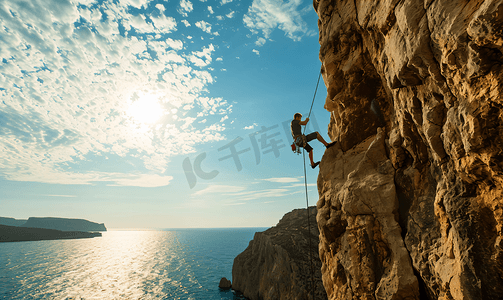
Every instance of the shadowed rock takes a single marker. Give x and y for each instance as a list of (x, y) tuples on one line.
[(64, 224), (18, 234), (225, 284), (276, 263)]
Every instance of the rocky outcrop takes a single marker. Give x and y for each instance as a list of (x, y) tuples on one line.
[(64, 224), (225, 283), (411, 198), (276, 264), (19, 234)]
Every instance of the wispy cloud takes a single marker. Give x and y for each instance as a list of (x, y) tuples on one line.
[(283, 179), (264, 16), (220, 189), (276, 188)]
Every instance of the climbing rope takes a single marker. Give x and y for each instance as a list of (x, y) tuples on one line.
[(313, 285), (314, 97)]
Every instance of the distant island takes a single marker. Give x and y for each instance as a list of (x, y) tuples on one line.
[(47, 228), (18, 234), (64, 224)]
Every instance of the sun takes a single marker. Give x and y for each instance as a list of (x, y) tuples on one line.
[(145, 109)]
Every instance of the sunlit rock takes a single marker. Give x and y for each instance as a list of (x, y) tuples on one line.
[(411, 198)]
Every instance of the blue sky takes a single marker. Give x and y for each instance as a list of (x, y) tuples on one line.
[(126, 112)]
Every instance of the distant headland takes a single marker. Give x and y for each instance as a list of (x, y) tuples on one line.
[(48, 228)]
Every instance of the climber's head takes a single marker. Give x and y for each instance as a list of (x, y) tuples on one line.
[(297, 116)]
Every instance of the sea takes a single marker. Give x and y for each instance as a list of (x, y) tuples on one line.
[(162, 264)]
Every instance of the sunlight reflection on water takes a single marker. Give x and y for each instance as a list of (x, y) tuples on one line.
[(119, 265)]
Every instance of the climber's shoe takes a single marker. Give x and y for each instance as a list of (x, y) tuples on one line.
[(315, 164), (331, 144)]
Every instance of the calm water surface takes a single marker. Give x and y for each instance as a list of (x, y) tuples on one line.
[(178, 264)]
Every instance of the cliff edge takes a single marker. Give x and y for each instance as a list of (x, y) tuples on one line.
[(411, 198), (64, 224), (275, 265)]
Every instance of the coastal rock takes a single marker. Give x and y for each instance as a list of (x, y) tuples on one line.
[(19, 234), (411, 196), (225, 283), (276, 263), (64, 224), (11, 221)]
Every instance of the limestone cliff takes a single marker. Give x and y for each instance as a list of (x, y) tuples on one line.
[(275, 265), (411, 198)]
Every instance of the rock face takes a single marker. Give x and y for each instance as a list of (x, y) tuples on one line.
[(276, 265), (411, 198), (64, 224)]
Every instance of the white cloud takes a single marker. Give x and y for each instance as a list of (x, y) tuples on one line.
[(135, 3), (223, 2), (206, 27), (230, 15), (160, 7), (260, 41), (264, 16), (219, 189), (67, 86), (141, 180), (256, 51), (283, 179), (202, 58), (250, 127), (261, 194), (210, 9), (185, 7), (187, 24), (164, 24), (242, 194), (138, 23)]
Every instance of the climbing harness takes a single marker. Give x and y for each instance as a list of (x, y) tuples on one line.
[(298, 143), (313, 285)]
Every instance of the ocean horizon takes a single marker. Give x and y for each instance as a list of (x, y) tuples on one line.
[(173, 263)]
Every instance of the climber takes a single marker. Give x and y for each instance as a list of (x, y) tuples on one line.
[(301, 140)]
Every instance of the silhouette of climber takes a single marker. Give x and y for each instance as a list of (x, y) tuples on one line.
[(302, 140)]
